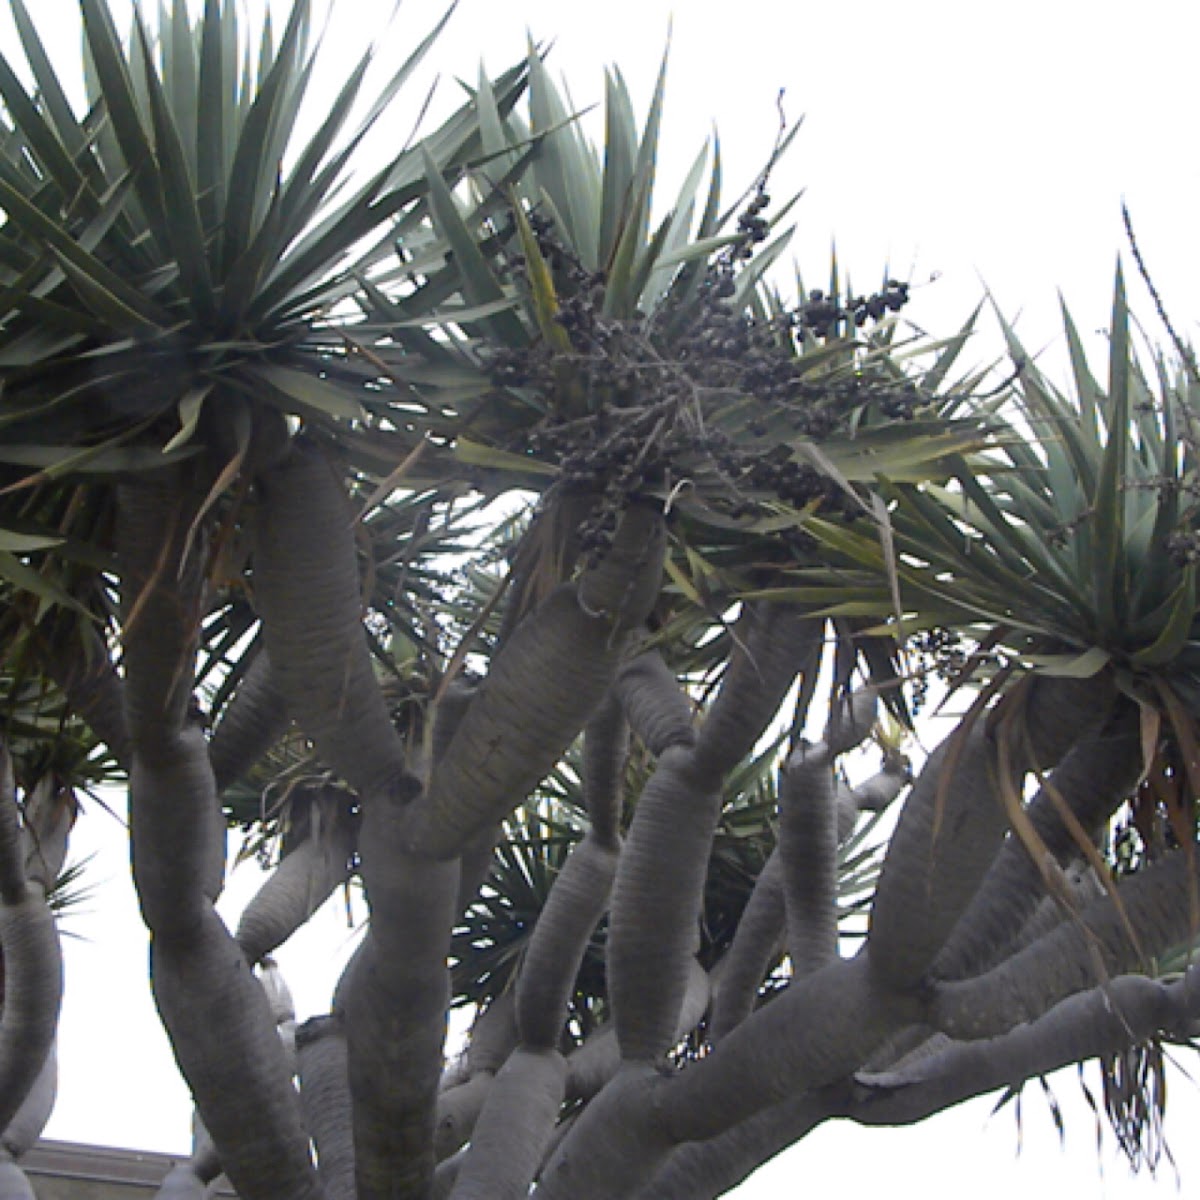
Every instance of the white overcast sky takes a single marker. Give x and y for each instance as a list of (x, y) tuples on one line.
[(957, 144)]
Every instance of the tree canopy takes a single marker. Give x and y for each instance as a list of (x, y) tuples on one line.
[(495, 534)]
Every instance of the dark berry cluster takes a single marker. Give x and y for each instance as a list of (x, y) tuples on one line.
[(1183, 546), (794, 483), (826, 316), (935, 653), (706, 391), (753, 227)]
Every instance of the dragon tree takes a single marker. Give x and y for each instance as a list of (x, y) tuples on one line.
[(491, 533)]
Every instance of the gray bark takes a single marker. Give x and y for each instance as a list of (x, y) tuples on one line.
[(514, 1128), (544, 684), (1107, 938), (1100, 1021), (325, 1099), (660, 879), (216, 1014), (30, 1119), (657, 709), (255, 718), (954, 822), (1090, 783), (808, 842), (757, 943), (307, 592), (394, 996), (29, 950)]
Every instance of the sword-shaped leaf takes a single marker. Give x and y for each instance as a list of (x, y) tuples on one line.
[(184, 228), (479, 283)]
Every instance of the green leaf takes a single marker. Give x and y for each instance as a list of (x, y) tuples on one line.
[(181, 78), (937, 374), (626, 266), (308, 185), (643, 268), (243, 287), (475, 455), (647, 157), (67, 250), (480, 285), (620, 154), (115, 313), (109, 458), (710, 219), (310, 393), (116, 86), (214, 147), (1176, 630), (970, 554), (541, 284), (493, 131), (24, 543), (759, 265), (700, 249), (43, 140), (184, 229), (863, 550), (26, 579), (255, 163), (565, 168), (451, 314), (1109, 503), (49, 316), (1072, 666), (36, 345), (1020, 548), (50, 90), (620, 296), (1087, 391), (190, 407)]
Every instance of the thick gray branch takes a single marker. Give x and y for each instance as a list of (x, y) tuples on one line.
[(660, 879), (808, 842), (772, 644), (605, 749), (394, 996), (161, 597), (657, 708), (954, 822), (1100, 1021), (325, 1098), (30, 1119), (820, 1030), (1075, 956), (304, 880), (705, 1170), (656, 902), (252, 722), (514, 1129), (307, 592), (224, 1038), (560, 939), (542, 688), (29, 950), (78, 660), (1090, 783), (216, 1013), (757, 943), (591, 1065)]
